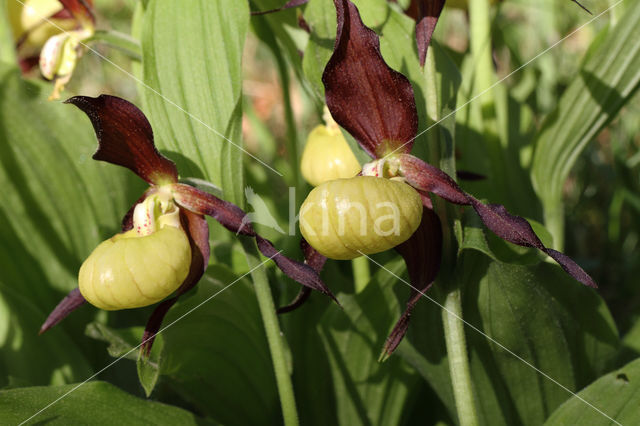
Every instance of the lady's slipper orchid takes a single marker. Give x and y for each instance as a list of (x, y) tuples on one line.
[(327, 155), (376, 105), (164, 245), (53, 32)]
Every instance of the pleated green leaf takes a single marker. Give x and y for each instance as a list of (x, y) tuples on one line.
[(99, 403), (192, 54), (608, 78)]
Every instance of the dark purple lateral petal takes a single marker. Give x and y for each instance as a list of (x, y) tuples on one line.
[(290, 4), (511, 228), (426, 14), (571, 267), (198, 231), (125, 138), (67, 305), (365, 96), (422, 253), (583, 8), (82, 10), (316, 261), (235, 220)]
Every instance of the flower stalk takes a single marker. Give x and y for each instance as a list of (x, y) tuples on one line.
[(274, 334)]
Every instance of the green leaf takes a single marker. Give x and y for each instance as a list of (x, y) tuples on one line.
[(7, 49), (192, 54), (102, 403), (367, 391), (608, 78), (216, 356), (57, 205), (552, 322), (615, 394)]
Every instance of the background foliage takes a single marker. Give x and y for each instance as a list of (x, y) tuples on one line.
[(557, 141)]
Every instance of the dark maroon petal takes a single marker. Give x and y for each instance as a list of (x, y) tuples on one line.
[(422, 253), (316, 261), (426, 14), (288, 5), (514, 229), (299, 300), (80, 9), (198, 232), (236, 220), (425, 177), (125, 138), (370, 100), (27, 64), (299, 272), (312, 257), (571, 267), (67, 305)]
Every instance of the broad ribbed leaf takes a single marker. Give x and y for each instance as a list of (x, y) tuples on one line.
[(615, 394), (367, 392), (192, 64), (100, 403), (217, 357), (537, 312), (56, 205), (607, 80)]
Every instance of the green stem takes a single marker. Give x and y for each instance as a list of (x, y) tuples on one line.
[(123, 42), (361, 273), (274, 336), (452, 313), (554, 220), (458, 358)]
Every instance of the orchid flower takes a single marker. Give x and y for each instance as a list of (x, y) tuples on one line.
[(376, 105), (163, 249), (52, 31)]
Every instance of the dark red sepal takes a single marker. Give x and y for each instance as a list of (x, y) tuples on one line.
[(514, 229), (82, 10), (365, 96), (314, 259), (426, 14), (125, 138), (70, 303), (198, 232), (234, 219), (422, 253)]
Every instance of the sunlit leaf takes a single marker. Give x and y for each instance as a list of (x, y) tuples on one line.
[(100, 402), (608, 78), (192, 55)]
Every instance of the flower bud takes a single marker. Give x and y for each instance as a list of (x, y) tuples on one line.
[(142, 266), (327, 156), (345, 218)]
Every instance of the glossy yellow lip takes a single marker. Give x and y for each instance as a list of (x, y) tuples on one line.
[(345, 218)]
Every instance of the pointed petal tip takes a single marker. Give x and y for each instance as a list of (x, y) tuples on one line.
[(70, 303)]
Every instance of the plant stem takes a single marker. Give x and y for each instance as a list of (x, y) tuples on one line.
[(455, 339), (361, 273), (123, 42), (458, 358), (274, 335)]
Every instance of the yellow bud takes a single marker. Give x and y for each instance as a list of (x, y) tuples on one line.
[(327, 156), (138, 268), (345, 218)]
